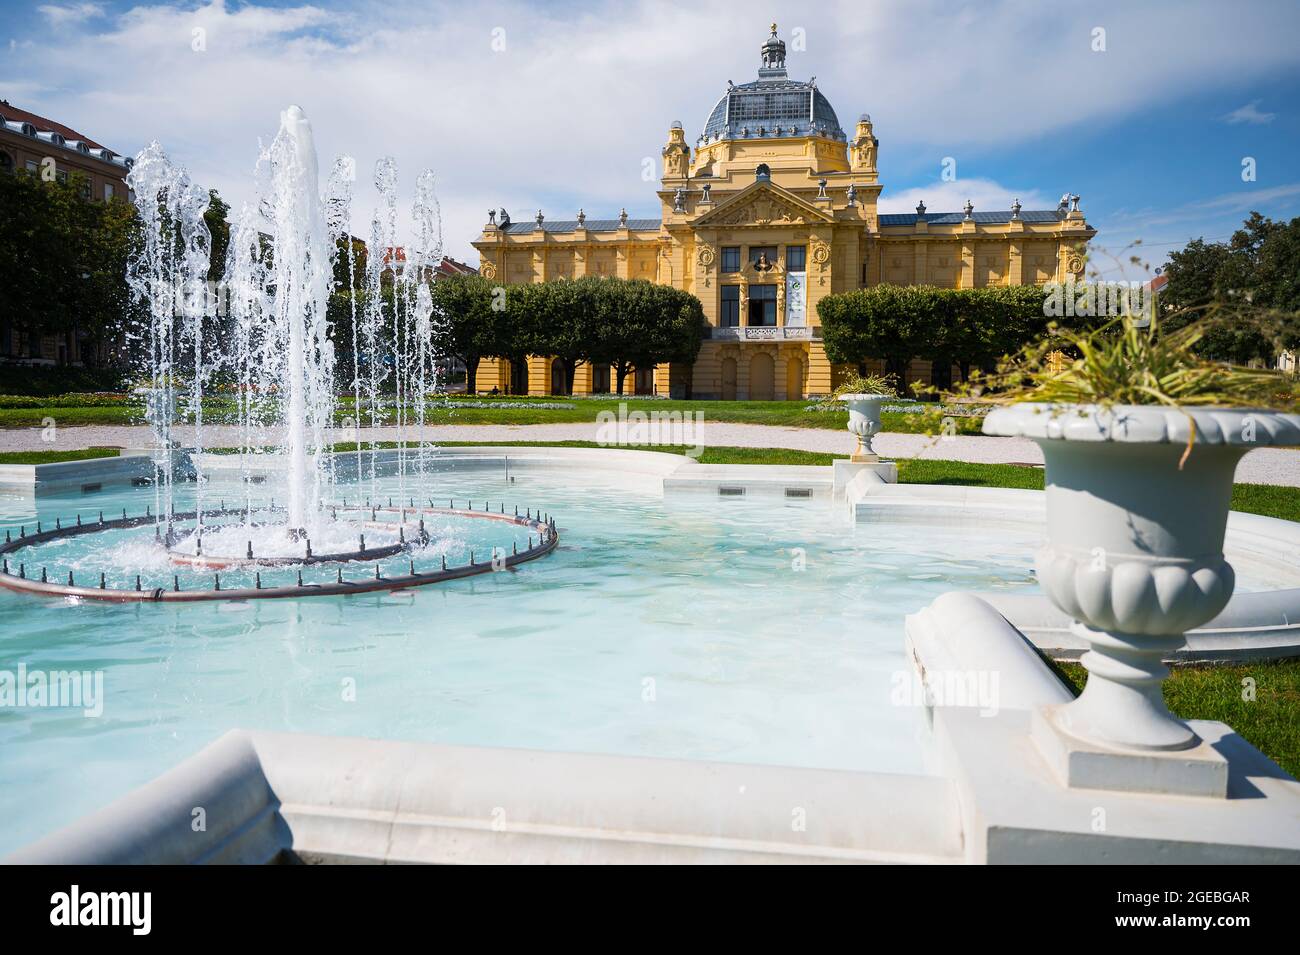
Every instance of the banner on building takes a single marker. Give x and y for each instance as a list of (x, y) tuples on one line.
[(796, 299)]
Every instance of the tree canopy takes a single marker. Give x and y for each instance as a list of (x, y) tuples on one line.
[(474, 323), (620, 322), (897, 323), (62, 257), (1257, 268)]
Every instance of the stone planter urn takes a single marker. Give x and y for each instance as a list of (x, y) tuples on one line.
[(864, 421), (1134, 554)]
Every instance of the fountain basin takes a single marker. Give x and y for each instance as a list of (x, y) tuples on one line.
[(670, 624)]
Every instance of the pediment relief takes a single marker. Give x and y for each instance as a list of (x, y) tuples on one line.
[(763, 204), (763, 211)]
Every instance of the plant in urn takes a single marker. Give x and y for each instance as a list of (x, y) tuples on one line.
[(1140, 438)]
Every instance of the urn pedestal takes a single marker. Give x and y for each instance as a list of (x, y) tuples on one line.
[(864, 422), (1134, 554)]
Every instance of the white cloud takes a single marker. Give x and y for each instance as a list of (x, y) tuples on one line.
[(1249, 113), (566, 113), (984, 194), (61, 14)]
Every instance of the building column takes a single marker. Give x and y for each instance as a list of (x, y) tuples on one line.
[(539, 375), (582, 379), (818, 381)]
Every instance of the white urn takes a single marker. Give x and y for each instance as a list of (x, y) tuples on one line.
[(1134, 547), (864, 422)]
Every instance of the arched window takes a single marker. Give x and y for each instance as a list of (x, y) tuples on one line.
[(6, 162)]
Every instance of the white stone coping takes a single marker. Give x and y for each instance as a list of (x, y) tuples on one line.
[(1244, 427), (336, 799), (1014, 811), (961, 635), (71, 475), (626, 460)]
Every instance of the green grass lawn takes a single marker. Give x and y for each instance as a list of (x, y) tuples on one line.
[(53, 457), (1215, 692), (782, 413), (68, 417)]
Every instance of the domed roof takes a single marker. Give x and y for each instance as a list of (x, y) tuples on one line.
[(773, 106)]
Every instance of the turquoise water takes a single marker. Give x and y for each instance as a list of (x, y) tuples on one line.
[(728, 629)]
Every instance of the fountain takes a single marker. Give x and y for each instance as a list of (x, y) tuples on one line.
[(272, 349)]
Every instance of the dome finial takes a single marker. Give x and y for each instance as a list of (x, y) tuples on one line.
[(773, 57)]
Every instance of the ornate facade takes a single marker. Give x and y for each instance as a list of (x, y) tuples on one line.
[(776, 208)]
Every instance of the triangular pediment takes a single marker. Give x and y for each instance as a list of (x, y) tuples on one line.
[(762, 203)]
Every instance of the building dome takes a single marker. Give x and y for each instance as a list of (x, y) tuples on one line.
[(773, 106)]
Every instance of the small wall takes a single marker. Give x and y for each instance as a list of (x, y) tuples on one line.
[(276, 796), (90, 475)]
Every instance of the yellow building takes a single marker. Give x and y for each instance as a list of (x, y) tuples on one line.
[(775, 209)]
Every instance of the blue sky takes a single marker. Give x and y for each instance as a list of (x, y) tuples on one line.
[(564, 107)]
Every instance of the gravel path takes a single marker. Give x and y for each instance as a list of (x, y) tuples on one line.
[(1263, 466)]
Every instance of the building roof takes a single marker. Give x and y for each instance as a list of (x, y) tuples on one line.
[(773, 106), (450, 266), (12, 114), (23, 121), (592, 225), (985, 218)]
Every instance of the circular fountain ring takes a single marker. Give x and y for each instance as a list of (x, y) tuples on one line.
[(201, 561), (547, 539)]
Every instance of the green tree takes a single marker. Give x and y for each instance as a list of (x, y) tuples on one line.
[(63, 260), (1257, 269), (894, 323), (640, 324), (965, 327), (475, 321), (561, 319)]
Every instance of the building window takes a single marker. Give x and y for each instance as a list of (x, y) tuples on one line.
[(730, 317), (83, 187), (62, 175), (759, 254), (762, 305), (796, 258), (731, 258), (33, 167), (6, 162), (108, 191)]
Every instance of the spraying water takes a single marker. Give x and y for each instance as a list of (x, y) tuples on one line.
[(274, 347)]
